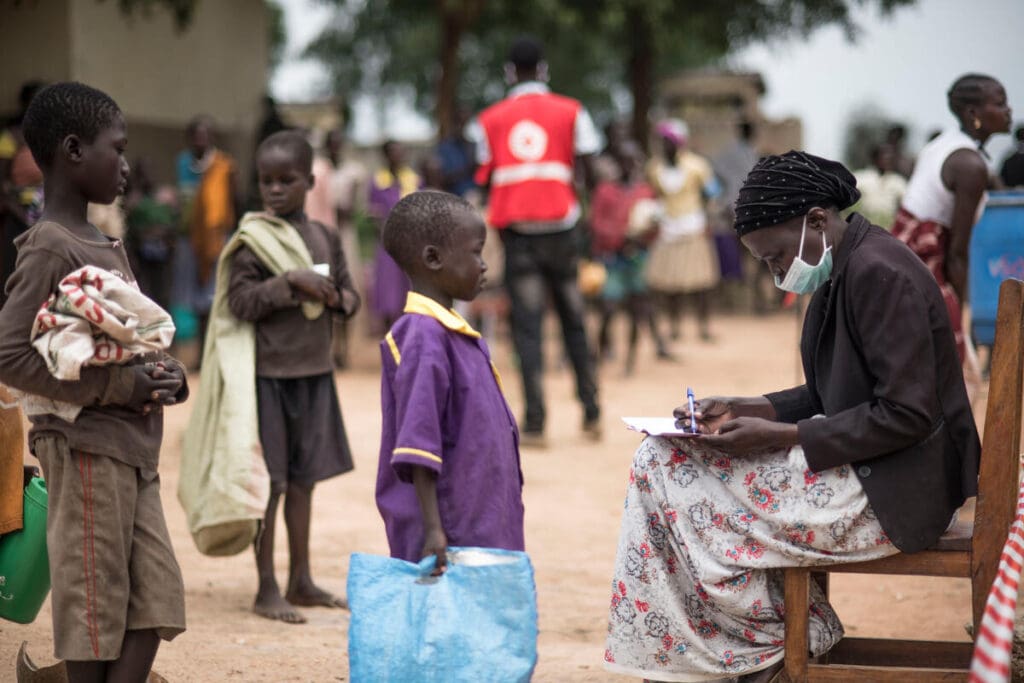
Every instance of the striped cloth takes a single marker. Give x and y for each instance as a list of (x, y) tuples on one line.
[(994, 640)]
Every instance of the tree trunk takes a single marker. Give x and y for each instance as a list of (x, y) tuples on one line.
[(456, 17), (641, 68), (452, 27)]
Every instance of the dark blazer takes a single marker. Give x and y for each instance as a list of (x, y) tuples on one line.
[(881, 365)]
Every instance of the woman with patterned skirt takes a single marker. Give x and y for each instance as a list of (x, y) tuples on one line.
[(871, 456)]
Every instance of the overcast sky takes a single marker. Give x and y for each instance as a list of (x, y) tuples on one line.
[(903, 64)]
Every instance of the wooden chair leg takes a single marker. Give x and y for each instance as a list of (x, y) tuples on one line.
[(797, 599)]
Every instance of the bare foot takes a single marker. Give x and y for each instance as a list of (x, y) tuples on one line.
[(311, 596), (273, 606)]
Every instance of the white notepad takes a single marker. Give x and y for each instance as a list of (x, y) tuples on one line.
[(656, 426)]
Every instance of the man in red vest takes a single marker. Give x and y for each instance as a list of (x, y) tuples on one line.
[(527, 154)]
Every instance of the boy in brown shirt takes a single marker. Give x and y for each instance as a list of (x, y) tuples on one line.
[(117, 588), (300, 424)]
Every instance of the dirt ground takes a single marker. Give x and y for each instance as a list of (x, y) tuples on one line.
[(573, 492)]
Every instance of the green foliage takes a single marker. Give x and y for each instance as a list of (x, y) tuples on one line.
[(181, 10), (354, 47), (277, 33), (595, 47), (391, 46), (693, 33)]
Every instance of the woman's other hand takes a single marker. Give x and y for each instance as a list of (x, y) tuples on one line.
[(745, 435)]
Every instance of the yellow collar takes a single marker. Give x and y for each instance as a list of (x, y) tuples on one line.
[(424, 305), (408, 181)]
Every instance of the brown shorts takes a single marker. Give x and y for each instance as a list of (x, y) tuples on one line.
[(111, 562)]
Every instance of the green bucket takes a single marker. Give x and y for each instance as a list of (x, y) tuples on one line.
[(24, 564)]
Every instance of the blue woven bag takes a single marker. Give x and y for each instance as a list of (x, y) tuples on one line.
[(476, 622)]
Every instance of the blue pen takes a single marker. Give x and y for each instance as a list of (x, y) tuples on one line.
[(689, 402)]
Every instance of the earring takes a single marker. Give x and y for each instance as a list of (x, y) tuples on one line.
[(977, 123)]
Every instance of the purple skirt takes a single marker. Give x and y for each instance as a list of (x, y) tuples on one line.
[(730, 261)]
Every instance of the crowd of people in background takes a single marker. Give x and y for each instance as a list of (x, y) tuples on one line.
[(657, 228), (659, 233)]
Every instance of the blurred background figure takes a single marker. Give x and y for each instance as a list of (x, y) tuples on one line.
[(731, 166), (1012, 171), (207, 188), (152, 220), (456, 154), (946, 193), (527, 157), (683, 266), (896, 138), (331, 201), (21, 184), (349, 189), (881, 187), (320, 201), (389, 184), (432, 173), (623, 222), (606, 165)]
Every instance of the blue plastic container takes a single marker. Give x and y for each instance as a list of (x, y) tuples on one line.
[(996, 253), (476, 623)]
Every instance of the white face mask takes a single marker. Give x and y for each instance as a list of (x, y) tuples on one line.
[(802, 277)]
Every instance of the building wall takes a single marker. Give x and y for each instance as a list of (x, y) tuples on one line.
[(162, 77), (33, 46), (714, 102), (159, 76), (217, 66)]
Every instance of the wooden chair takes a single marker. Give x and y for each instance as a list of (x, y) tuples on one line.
[(967, 551)]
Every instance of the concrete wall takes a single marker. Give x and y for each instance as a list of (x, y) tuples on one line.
[(714, 102), (217, 66), (161, 77), (34, 45)]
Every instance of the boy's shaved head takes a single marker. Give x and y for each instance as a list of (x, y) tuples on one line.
[(64, 109), (293, 142), (420, 219)]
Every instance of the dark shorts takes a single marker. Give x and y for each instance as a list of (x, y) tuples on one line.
[(111, 562), (301, 429)]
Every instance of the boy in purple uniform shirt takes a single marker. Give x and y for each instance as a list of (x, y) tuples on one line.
[(449, 460)]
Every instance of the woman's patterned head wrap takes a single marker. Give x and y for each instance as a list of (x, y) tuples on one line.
[(780, 187)]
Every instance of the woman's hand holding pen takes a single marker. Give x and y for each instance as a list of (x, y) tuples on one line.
[(710, 414), (738, 425)]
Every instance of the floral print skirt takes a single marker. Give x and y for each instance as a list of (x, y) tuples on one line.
[(698, 593)]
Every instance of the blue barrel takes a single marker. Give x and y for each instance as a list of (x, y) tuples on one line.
[(996, 253)]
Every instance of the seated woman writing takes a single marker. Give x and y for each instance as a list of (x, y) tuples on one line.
[(872, 456)]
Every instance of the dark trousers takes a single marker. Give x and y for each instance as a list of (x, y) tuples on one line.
[(538, 266)]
